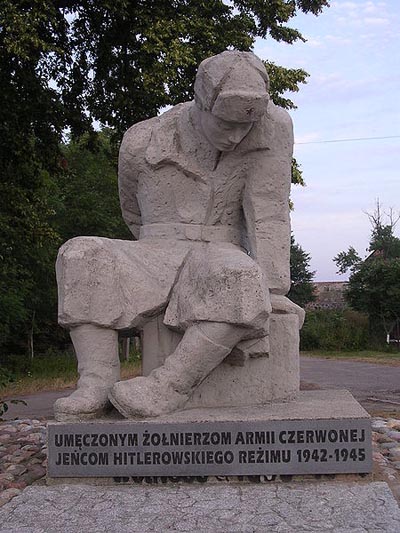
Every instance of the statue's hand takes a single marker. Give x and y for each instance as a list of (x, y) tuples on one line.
[(282, 305)]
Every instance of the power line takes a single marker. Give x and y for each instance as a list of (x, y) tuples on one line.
[(351, 140)]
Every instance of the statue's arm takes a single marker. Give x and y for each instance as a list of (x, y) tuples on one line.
[(266, 203), (130, 165), (266, 211)]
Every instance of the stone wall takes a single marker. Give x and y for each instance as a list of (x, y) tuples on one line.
[(329, 295)]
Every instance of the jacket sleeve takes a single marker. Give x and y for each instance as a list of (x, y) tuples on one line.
[(266, 203), (130, 166)]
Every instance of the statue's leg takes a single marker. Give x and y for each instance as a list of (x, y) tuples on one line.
[(99, 368), (167, 388)]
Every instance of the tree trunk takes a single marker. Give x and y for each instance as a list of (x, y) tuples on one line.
[(30, 341), (125, 348)]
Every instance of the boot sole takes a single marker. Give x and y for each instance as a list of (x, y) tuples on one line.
[(81, 417), (120, 407)]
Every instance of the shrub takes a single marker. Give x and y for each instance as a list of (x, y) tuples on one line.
[(335, 330), (49, 365)]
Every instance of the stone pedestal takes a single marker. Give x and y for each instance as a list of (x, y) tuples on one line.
[(255, 381), (320, 432)]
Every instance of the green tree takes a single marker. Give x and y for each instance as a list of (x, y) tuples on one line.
[(127, 60), (31, 121), (67, 63), (88, 189), (120, 62), (383, 241), (346, 261), (374, 283), (302, 289)]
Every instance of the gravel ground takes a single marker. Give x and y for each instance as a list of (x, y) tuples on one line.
[(23, 456)]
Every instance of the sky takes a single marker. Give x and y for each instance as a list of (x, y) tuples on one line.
[(352, 54)]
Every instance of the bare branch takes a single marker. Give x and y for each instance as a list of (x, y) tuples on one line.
[(377, 218), (393, 217)]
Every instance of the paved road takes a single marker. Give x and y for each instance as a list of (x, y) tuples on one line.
[(364, 380), (39, 405), (352, 375), (376, 387)]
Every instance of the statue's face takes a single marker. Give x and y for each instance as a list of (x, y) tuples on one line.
[(223, 134)]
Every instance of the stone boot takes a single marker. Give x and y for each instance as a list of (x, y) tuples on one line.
[(99, 368), (168, 388)]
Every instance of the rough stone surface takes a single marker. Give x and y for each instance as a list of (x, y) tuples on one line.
[(328, 410), (310, 405), (205, 189), (383, 441), (11, 432), (257, 380), (23, 456), (336, 507)]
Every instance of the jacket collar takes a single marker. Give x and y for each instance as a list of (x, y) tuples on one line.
[(165, 146)]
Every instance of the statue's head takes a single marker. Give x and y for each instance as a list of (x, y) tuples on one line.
[(231, 92)]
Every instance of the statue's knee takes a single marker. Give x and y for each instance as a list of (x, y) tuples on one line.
[(245, 273), (80, 248)]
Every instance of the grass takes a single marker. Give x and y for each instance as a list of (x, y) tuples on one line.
[(365, 356), (53, 373), (57, 372)]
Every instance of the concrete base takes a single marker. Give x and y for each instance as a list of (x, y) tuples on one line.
[(317, 404), (305, 405), (292, 508), (321, 432)]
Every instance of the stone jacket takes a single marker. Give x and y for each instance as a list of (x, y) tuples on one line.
[(194, 212), (165, 180)]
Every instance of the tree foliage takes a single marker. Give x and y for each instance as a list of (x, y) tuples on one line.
[(383, 241), (65, 64), (346, 261), (374, 288), (330, 329), (82, 201), (374, 283), (120, 62), (282, 80), (302, 289), (88, 189)]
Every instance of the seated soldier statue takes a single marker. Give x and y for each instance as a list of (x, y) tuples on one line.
[(204, 188)]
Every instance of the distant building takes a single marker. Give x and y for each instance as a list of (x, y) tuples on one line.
[(329, 295)]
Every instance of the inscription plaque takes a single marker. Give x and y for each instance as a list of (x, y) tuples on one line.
[(277, 447)]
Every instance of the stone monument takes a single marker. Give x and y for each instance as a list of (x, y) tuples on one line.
[(204, 189)]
